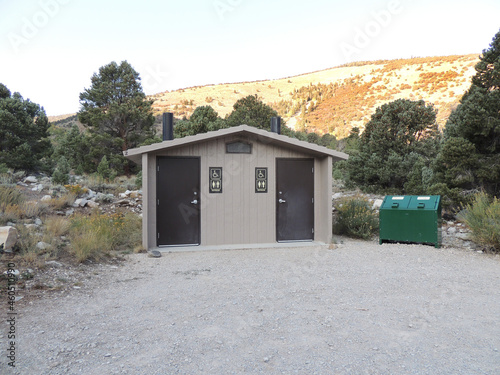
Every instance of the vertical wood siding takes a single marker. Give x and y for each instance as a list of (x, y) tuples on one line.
[(239, 215)]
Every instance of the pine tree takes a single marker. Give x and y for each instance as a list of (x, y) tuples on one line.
[(475, 125)]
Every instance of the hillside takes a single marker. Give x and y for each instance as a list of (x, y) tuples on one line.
[(333, 100), (336, 99)]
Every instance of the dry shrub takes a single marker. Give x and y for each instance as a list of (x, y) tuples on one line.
[(57, 226), (356, 218), (95, 236), (483, 219), (63, 201)]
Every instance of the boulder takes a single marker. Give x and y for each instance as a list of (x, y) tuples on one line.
[(8, 238), (31, 180)]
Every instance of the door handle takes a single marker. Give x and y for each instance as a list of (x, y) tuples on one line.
[(195, 201), (282, 200)]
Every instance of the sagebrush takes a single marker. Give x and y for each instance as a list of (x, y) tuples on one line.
[(483, 219), (356, 218)]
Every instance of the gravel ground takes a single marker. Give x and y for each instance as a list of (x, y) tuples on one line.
[(359, 308)]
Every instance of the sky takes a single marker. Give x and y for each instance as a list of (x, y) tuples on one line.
[(49, 49)]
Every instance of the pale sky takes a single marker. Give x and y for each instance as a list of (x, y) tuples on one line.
[(51, 48)]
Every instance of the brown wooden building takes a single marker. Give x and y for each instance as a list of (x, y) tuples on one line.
[(238, 186)]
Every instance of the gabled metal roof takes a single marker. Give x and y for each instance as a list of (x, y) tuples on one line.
[(264, 136)]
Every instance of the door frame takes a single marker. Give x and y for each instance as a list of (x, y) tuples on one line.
[(312, 160), (157, 198)]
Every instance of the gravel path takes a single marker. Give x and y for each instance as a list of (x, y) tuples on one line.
[(359, 308)]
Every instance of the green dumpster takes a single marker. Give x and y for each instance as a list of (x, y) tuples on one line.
[(411, 218)]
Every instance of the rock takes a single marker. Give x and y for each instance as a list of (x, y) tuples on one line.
[(154, 254), (38, 221), (462, 236), (42, 245), (92, 204), (337, 196), (46, 198), (452, 230), (81, 202), (38, 188), (123, 202), (91, 194), (70, 212), (31, 180), (8, 237), (377, 204), (135, 194)]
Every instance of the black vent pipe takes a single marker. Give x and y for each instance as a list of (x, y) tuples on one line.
[(168, 126), (276, 125)]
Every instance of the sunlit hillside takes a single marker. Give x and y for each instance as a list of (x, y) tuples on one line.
[(333, 100), (337, 99)]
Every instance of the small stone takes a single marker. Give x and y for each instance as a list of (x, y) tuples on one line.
[(377, 204), (70, 212), (38, 188), (266, 359), (42, 245), (452, 230), (46, 198), (38, 221), (154, 254)]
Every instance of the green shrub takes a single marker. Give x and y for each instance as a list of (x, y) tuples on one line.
[(483, 219), (356, 219)]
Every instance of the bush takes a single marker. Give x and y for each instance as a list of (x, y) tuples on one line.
[(356, 219), (95, 236), (483, 219)]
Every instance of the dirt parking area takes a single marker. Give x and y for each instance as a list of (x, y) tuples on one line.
[(358, 308)]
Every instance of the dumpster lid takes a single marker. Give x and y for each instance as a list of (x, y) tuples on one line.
[(396, 202), (424, 202)]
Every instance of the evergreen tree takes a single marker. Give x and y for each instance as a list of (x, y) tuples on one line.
[(117, 113), (24, 142), (251, 111), (400, 135), (470, 156)]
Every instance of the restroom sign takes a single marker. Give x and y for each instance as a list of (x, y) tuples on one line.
[(261, 180), (215, 179)]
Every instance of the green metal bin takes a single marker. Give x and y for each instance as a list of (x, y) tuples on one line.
[(411, 218)]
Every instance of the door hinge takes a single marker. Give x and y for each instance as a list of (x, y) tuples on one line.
[(312, 200), (312, 170), (158, 202), (158, 168), (312, 230), (158, 235)]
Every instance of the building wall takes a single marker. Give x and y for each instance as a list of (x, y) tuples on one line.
[(238, 215)]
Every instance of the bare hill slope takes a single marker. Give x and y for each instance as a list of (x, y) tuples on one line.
[(334, 100)]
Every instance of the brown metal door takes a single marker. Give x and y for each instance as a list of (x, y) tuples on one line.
[(294, 199), (178, 201)]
